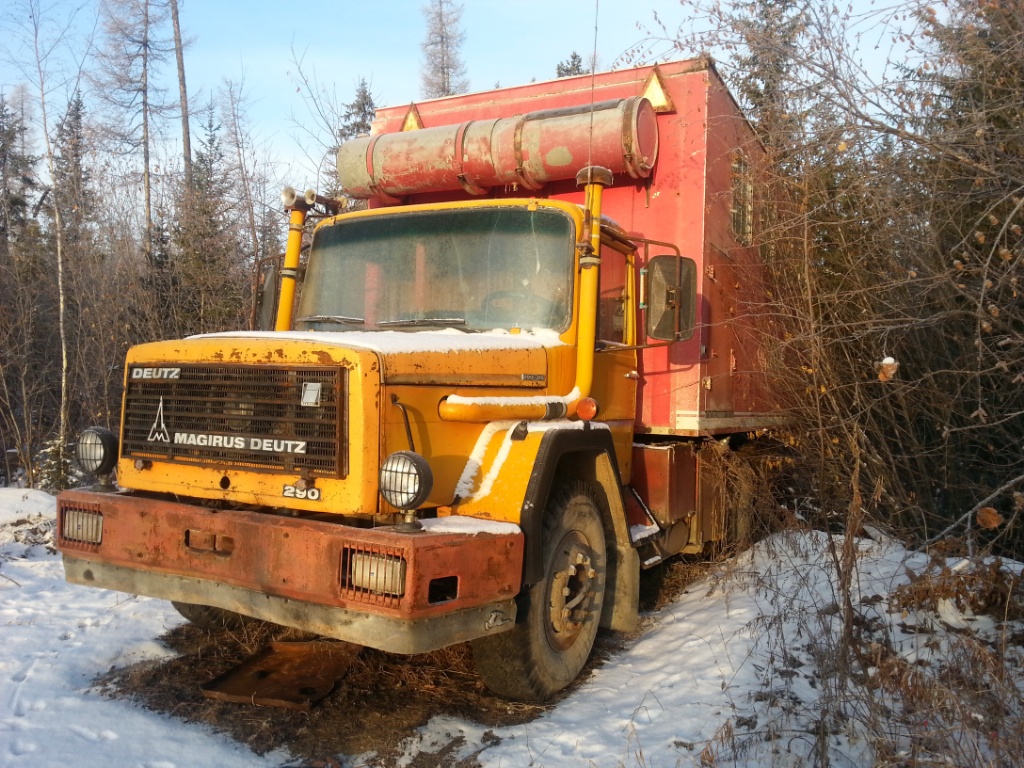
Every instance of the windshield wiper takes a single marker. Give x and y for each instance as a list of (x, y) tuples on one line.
[(441, 321), (337, 319)]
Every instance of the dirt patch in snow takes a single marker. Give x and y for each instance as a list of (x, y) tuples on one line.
[(382, 701)]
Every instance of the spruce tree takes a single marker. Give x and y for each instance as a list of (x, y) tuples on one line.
[(444, 73), (208, 292), (571, 66), (17, 177), (357, 119), (71, 182)]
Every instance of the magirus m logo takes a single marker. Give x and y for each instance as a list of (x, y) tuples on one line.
[(158, 432)]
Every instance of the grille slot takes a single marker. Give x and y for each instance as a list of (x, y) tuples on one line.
[(374, 575), (239, 416), (79, 526)]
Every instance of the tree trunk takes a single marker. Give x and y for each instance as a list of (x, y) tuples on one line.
[(146, 182), (238, 139), (63, 427), (179, 52)]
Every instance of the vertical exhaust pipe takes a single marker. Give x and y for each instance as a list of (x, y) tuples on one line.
[(298, 206)]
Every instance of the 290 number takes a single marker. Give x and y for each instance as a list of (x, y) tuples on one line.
[(310, 494)]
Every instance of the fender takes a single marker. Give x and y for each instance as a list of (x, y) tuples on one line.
[(511, 478), (587, 454)]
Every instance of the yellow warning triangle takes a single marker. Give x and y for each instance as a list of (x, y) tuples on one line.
[(412, 121), (654, 92)]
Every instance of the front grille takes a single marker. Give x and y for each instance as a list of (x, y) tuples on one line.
[(258, 417)]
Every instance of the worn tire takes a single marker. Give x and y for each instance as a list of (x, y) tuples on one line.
[(547, 649), (209, 617)]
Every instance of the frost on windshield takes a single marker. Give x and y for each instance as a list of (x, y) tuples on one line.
[(471, 269)]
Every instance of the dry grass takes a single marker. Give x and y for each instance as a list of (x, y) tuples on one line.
[(381, 702), (960, 702)]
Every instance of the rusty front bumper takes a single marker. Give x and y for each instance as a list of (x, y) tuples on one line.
[(399, 592)]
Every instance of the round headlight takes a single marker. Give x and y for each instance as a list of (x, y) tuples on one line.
[(405, 480), (96, 450), (239, 414)]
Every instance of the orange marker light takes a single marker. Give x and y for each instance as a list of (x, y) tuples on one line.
[(587, 408)]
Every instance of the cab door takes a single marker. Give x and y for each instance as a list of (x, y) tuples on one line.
[(615, 357)]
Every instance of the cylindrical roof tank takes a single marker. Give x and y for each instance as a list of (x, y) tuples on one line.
[(528, 150)]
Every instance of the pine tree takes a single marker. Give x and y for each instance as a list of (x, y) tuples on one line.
[(131, 52), (26, 300), (17, 177), (770, 31), (359, 113), (207, 290), (179, 56), (71, 182), (571, 66), (444, 73)]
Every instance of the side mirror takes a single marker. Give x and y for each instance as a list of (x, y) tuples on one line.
[(671, 291)]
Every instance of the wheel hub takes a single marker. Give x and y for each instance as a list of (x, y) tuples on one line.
[(572, 585)]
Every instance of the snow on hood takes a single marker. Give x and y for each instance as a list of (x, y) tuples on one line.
[(392, 342)]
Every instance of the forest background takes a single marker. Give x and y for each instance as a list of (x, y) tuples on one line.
[(892, 224)]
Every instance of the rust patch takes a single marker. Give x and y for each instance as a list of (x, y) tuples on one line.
[(304, 556), (291, 675)]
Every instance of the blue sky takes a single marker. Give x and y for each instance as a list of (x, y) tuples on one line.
[(506, 42), (510, 42), (256, 41)]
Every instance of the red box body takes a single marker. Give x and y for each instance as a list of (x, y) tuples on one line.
[(712, 383)]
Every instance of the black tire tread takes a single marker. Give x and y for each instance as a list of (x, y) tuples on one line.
[(506, 661)]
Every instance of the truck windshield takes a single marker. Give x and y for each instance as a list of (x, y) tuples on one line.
[(473, 269)]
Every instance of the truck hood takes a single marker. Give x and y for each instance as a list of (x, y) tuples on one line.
[(443, 357)]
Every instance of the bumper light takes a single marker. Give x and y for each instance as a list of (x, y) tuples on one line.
[(96, 450), (381, 574), (405, 480), (82, 526)]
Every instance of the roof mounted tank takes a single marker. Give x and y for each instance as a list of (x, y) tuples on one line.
[(524, 151)]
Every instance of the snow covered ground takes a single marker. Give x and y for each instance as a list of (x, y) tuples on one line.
[(736, 671)]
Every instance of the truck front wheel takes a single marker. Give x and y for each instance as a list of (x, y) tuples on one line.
[(545, 652)]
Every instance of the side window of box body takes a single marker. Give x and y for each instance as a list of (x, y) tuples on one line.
[(742, 201)]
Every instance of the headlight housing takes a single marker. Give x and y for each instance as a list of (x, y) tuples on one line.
[(96, 450), (405, 480), (238, 414)]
